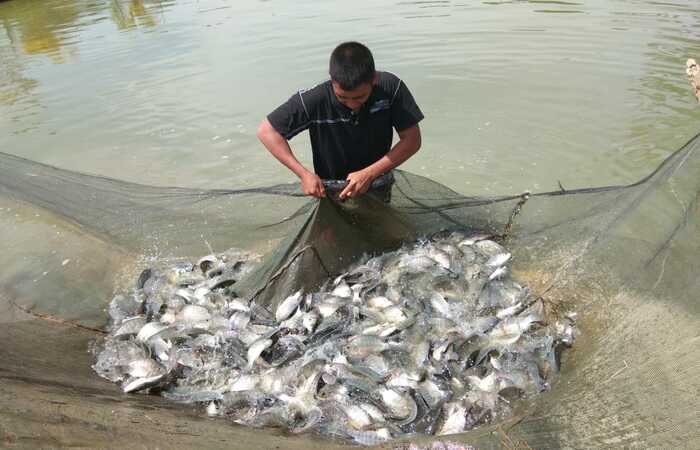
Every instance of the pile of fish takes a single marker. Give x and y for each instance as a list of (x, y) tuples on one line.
[(434, 338)]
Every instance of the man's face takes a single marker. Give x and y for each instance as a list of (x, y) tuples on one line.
[(353, 99)]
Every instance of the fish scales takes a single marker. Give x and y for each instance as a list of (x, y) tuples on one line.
[(434, 337)]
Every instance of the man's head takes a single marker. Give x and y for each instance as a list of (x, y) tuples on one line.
[(352, 74)]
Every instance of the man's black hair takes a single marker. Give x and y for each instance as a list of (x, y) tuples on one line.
[(351, 65)]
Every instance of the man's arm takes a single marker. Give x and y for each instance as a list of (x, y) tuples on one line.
[(279, 147), (360, 181)]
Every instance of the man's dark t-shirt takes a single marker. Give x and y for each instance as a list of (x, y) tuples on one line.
[(342, 141)]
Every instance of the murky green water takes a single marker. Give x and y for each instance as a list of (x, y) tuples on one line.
[(517, 95)]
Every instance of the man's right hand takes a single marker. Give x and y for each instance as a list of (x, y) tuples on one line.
[(279, 147), (311, 185)]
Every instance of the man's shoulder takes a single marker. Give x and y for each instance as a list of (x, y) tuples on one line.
[(388, 83), (388, 78), (317, 92)]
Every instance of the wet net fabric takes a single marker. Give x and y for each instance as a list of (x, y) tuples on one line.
[(624, 257)]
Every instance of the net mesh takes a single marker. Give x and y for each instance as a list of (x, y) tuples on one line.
[(623, 257)]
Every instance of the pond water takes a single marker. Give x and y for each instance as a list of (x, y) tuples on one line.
[(518, 95)]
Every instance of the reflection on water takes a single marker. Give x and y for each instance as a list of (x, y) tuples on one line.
[(16, 85), (133, 13), (34, 28), (40, 27), (51, 27), (53, 30), (513, 97)]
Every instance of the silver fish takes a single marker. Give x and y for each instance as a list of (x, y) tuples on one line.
[(185, 295), (357, 417), (208, 262), (370, 437), (507, 312), (288, 306), (244, 382), (417, 263), (130, 326), (330, 305), (432, 338), (145, 368), (401, 379), (498, 260), (440, 305), (379, 302), (239, 320), (440, 257), (193, 314), (373, 412), (364, 345), (489, 248), (473, 239), (342, 290), (169, 317), (151, 330), (237, 304), (138, 384), (498, 273), (376, 329), (455, 419), (401, 407), (310, 320), (393, 314), (201, 293), (431, 392), (256, 349)]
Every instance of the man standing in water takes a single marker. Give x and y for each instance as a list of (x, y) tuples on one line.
[(350, 120)]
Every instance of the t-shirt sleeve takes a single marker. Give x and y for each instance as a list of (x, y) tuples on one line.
[(405, 113), (290, 118)]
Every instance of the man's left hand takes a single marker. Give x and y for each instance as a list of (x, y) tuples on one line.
[(358, 183)]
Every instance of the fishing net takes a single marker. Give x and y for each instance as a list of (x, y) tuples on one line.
[(623, 257)]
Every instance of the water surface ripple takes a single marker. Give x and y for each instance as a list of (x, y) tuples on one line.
[(517, 95)]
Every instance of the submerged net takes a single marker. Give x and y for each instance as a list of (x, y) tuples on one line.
[(623, 257)]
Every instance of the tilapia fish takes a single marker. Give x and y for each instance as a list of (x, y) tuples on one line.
[(432, 338)]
